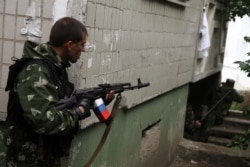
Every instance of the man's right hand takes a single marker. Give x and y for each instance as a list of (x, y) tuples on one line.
[(198, 123), (82, 109)]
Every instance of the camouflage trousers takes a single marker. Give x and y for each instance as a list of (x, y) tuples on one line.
[(27, 157), (206, 126), (26, 153)]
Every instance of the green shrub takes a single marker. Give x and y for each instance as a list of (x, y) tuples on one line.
[(240, 142)]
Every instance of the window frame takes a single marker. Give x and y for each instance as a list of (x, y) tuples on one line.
[(180, 2)]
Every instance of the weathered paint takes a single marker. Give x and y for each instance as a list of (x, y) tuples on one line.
[(110, 39), (59, 9), (32, 23)]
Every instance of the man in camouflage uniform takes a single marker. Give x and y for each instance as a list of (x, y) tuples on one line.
[(191, 124), (222, 109), (44, 133)]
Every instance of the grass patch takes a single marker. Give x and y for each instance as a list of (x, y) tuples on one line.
[(245, 105)]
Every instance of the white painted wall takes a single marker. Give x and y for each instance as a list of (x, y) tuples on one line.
[(237, 49)]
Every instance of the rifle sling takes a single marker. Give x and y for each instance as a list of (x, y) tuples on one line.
[(212, 108), (106, 132)]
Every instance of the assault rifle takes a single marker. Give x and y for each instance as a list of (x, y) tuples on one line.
[(95, 95), (211, 110)]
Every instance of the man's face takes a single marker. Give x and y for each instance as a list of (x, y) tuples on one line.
[(74, 49)]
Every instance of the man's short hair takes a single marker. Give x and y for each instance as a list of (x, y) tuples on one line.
[(66, 29)]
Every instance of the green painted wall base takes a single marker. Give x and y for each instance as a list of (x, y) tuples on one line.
[(144, 136), (157, 124)]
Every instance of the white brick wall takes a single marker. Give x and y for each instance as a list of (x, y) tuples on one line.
[(147, 39)]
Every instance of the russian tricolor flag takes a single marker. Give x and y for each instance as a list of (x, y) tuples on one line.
[(100, 110)]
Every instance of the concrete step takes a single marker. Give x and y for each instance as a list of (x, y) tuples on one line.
[(237, 114), (224, 132), (236, 123), (219, 140), (210, 155)]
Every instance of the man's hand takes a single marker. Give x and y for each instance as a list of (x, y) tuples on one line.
[(198, 123), (109, 97), (82, 109)]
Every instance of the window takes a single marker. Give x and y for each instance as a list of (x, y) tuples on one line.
[(179, 2)]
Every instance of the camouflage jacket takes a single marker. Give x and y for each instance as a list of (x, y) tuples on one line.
[(38, 94)]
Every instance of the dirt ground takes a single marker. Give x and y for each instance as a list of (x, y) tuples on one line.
[(180, 162)]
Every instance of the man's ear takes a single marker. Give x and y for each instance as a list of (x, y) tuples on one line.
[(68, 45)]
